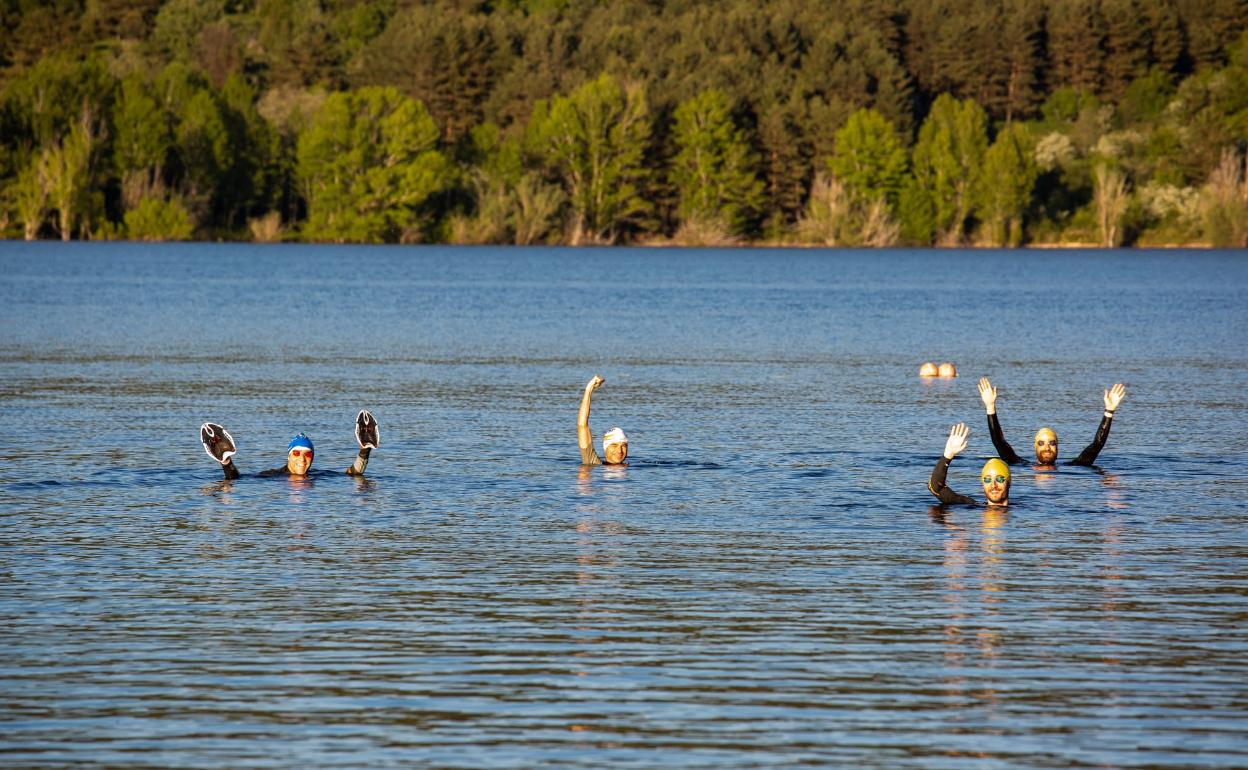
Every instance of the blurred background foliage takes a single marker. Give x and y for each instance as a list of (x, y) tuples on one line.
[(865, 122)]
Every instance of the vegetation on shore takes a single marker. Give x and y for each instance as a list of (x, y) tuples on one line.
[(866, 122)]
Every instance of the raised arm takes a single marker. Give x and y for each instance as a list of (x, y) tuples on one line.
[(368, 436), (936, 484), (988, 395), (1113, 397), (584, 436), (219, 445)]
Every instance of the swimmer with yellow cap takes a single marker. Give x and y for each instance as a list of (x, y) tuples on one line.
[(614, 441), (995, 475), (1045, 440)]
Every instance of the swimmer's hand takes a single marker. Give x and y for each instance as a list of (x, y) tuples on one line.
[(957, 440), (594, 382), (367, 431), (217, 441), (988, 395), (1114, 396)]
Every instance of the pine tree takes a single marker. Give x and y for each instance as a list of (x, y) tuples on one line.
[(1126, 46), (1077, 43)]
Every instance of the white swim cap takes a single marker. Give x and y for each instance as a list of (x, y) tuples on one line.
[(613, 436)]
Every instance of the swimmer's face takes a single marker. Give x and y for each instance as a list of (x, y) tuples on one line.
[(1046, 446), (616, 453), (996, 487), (299, 460)]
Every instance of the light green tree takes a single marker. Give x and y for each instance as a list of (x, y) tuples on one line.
[(69, 173), (1005, 186), (869, 158), (366, 164), (714, 169), (595, 140), (947, 162), (29, 194), (155, 219)]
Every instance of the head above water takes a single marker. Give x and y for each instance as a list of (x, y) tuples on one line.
[(299, 455), (614, 446), (996, 480), (1046, 446)]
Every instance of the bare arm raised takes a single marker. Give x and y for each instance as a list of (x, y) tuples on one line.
[(584, 436)]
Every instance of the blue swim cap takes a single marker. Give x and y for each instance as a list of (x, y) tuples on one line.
[(300, 441)]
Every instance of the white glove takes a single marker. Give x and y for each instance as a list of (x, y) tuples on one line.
[(988, 395), (957, 440), (1113, 397)]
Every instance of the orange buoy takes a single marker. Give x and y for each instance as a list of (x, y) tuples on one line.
[(948, 370), (928, 370)]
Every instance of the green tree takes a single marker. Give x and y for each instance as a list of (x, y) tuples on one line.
[(179, 24), (947, 159), (714, 167), (596, 140), (869, 158), (141, 140), (1004, 190), (447, 61), (154, 219), (367, 165)]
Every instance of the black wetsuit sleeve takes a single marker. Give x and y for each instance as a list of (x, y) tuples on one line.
[(230, 471), (1088, 455), (1004, 450), (937, 486)]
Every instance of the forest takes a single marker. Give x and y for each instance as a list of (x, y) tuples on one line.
[(583, 122)]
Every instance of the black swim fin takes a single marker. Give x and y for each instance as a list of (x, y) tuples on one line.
[(217, 441), (367, 432)]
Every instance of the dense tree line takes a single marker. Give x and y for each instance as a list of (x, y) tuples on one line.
[(869, 122)]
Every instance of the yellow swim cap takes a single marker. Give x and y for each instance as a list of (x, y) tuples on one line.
[(1045, 433), (996, 467)]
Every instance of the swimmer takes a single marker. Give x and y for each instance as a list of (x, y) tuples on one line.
[(995, 475), (219, 445), (1045, 441), (614, 442)]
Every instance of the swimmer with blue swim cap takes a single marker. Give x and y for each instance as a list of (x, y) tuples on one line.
[(614, 441), (995, 475), (299, 453), (219, 445)]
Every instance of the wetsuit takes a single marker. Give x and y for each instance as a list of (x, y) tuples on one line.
[(1086, 457), (356, 469), (937, 486)]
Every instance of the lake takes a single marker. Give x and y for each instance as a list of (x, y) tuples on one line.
[(766, 584)]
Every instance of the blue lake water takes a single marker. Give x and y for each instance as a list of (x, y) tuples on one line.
[(766, 584)]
